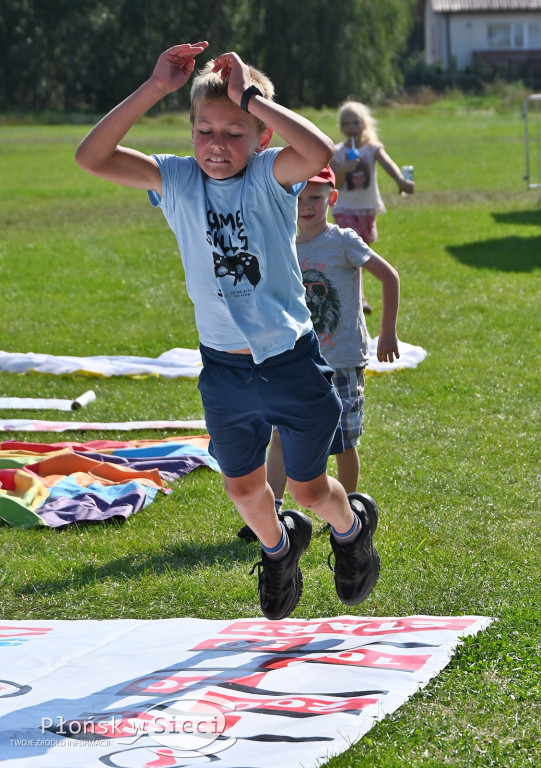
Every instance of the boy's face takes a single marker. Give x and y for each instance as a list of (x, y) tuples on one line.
[(313, 204), (225, 137)]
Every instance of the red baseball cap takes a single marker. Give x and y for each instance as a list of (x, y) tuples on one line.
[(325, 176)]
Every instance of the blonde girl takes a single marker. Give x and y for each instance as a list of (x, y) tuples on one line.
[(354, 164)]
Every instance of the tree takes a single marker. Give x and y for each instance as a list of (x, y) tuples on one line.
[(72, 55), (320, 52)]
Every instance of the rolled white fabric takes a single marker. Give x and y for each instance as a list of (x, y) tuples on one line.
[(80, 402), (41, 403)]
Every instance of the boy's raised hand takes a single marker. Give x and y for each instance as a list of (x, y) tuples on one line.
[(175, 65), (232, 68)]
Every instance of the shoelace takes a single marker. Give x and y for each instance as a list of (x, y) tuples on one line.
[(348, 564), (273, 584)]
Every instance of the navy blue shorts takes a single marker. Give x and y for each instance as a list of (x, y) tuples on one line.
[(293, 391)]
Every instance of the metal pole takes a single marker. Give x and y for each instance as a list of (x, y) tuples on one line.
[(534, 99)]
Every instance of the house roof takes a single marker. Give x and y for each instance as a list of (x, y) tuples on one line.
[(477, 6)]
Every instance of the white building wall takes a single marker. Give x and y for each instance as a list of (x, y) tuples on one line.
[(469, 32), (458, 35), (434, 35)]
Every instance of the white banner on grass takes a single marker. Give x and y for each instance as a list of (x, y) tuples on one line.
[(38, 425), (175, 363), (188, 692)]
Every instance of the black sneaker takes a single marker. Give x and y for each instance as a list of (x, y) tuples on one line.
[(367, 309), (280, 581), (357, 565), (246, 534)]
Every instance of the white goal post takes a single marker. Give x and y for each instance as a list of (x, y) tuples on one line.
[(532, 131)]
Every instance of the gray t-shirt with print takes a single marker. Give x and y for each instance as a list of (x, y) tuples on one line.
[(331, 272)]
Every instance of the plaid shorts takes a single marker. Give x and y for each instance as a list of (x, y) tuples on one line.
[(350, 385)]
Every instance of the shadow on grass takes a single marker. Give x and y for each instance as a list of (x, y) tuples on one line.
[(507, 254), (531, 218), (183, 557)]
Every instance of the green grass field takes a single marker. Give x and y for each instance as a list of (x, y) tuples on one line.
[(450, 450)]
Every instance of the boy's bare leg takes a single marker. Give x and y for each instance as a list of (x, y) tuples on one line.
[(254, 499), (282, 542), (353, 522), (327, 498), (276, 472), (348, 466)]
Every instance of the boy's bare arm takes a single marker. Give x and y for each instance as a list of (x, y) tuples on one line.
[(389, 165), (390, 288), (99, 153), (308, 150)]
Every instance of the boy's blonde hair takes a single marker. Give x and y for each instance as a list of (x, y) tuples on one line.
[(369, 134), (209, 86)]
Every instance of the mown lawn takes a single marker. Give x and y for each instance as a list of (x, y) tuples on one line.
[(450, 450)]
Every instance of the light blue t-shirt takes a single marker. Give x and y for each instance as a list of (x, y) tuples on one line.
[(237, 242)]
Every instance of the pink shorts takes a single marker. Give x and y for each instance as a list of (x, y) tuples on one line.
[(364, 224)]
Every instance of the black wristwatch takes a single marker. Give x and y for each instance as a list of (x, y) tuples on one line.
[(252, 90)]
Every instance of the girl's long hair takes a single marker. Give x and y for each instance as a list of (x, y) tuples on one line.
[(369, 134)]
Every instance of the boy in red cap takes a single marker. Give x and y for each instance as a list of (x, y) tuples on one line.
[(330, 259)]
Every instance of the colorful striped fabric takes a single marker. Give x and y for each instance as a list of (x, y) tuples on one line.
[(67, 483)]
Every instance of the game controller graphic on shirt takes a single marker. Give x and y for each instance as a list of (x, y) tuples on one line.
[(238, 266)]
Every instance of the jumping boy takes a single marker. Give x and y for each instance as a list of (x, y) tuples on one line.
[(232, 208)]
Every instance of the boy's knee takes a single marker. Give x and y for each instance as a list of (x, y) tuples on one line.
[(242, 490), (310, 493)]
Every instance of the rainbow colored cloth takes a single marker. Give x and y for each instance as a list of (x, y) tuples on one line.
[(67, 483)]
